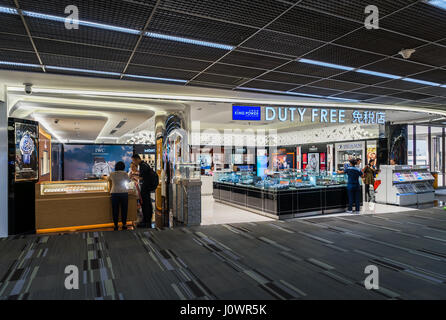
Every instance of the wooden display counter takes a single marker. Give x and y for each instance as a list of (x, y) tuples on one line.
[(75, 205)]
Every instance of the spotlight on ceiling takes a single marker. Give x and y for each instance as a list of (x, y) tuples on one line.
[(406, 53)]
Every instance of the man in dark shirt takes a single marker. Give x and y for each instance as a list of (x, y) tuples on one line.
[(353, 186), (147, 208)]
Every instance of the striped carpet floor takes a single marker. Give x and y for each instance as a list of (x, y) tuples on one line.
[(320, 258)]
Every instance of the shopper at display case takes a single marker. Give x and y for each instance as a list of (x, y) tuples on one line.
[(149, 182), (119, 194), (370, 172), (353, 186)]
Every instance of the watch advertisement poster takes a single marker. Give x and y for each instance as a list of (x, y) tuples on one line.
[(94, 161), (26, 152)]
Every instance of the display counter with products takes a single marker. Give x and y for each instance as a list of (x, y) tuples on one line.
[(74, 205), (282, 195)]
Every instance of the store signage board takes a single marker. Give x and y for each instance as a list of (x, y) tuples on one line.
[(246, 113), (322, 115)]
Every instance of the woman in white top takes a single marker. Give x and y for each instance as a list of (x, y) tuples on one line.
[(119, 180)]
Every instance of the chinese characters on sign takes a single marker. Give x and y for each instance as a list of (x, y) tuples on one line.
[(368, 117)]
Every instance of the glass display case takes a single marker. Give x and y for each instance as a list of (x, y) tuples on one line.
[(188, 170), (282, 180), (64, 187)]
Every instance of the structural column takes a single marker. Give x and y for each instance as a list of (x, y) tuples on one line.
[(3, 163)]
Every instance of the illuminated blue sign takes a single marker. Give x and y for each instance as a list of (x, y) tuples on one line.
[(246, 113)]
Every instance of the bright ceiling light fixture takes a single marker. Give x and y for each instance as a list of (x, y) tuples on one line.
[(153, 78), (437, 3), (428, 83), (188, 41), (378, 74), (325, 64), (83, 70), (104, 26), (18, 64), (297, 94)]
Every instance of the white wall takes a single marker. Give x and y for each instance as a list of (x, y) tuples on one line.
[(3, 164)]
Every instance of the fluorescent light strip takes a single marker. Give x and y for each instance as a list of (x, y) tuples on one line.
[(378, 74), (82, 70), (116, 28), (297, 94), (437, 3), (189, 41), (19, 64), (326, 64), (428, 83), (154, 78)]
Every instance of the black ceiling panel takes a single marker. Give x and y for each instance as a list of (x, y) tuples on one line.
[(359, 78), (182, 25), (354, 10), (343, 56), (229, 70), (82, 63), (77, 50), (397, 67), (401, 85), (254, 13), (420, 20), (113, 12), (411, 96), (311, 24), (19, 56), (441, 100), (11, 23), (356, 96), (309, 69), (386, 100), (169, 62), (438, 75), (378, 41), (282, 43), (213, 78), (209, 85), (57, 31), (159, 73), (179, 49), (435, 91), (252, 60), (336, 85), (316, 91), (288, 78), (269, 85), (433, 55), (15, 42), (376, 90)]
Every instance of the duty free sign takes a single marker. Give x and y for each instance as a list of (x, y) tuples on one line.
[(316, 115)]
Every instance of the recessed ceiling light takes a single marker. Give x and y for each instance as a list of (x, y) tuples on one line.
[(326, 64)]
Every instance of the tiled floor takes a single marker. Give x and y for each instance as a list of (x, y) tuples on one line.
[(214, 212), (320, 258)]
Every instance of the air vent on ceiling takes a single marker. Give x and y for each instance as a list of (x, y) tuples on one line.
[(120, 124), (113, 131)]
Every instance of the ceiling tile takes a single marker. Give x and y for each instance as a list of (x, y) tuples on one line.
[(336, 85), (252, 60), (396, 67), (269, 85), (282, 43), (159, 72), (238, 71), (288, 78), (411, 96), (316, 91), (309, 69), (213, 78), (307, 23), (254, 13), (169, 62), (342, 56), (359, 78)]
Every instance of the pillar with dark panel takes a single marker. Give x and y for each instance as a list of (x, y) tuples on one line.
[(397, 143)]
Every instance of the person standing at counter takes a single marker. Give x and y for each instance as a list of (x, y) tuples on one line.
[(353, 187), (119, 194), (149, 182), (369, 178)]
